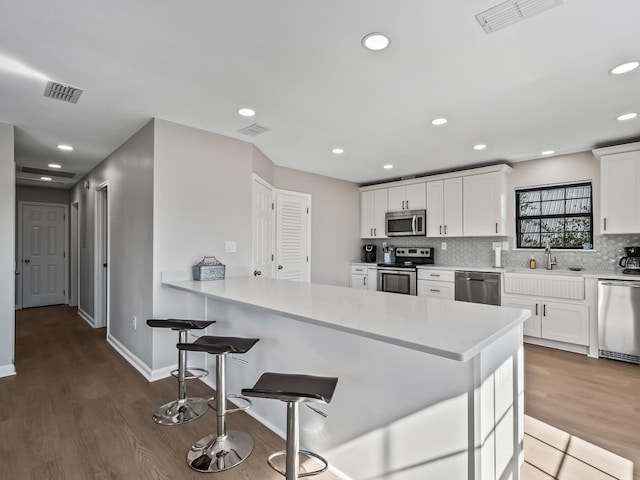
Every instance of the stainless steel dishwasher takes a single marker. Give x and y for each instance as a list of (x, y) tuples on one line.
[(478, 287), (619, 320)]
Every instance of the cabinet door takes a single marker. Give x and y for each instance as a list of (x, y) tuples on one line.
[(372, 278), (452, 212), (379, 211), (396, 199), (435, 208), (358, 281), (484, 205), (532, 326), (367, 206), (565, 322), (620, 175), (416, 196)]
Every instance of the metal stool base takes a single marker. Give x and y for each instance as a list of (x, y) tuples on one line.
[(213, 454), (179, 413), (301, 453)]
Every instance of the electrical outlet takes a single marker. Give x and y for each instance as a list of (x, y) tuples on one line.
[(443, 245), (135, 322), (230, 246)]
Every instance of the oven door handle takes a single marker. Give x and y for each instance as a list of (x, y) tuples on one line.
[(414, 222)]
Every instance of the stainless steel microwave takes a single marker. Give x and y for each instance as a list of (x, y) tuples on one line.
[(407, 223)]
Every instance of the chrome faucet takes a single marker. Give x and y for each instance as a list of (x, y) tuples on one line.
[(547, 252)]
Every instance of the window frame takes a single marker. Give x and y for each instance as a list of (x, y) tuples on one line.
[(565, 186)]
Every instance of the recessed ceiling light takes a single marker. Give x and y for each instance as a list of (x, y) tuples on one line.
[(439, 121), (337, 151), (246, 112), (375, 41), (54, 165), (65, 147), (548, 152), (388, 167), (46, 179), (624, 68), (480, 146), (627, 116)]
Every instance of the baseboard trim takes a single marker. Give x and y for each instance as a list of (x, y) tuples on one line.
[(86, 317), (135, 362), (7, 370)]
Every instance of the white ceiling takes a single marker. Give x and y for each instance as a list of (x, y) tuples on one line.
[(536, 85)]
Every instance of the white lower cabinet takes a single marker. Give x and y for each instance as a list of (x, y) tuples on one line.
[(551, 320), (436, 283), (364, 277)]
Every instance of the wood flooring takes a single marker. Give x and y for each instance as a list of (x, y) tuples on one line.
[(596, 400), (78, 411)]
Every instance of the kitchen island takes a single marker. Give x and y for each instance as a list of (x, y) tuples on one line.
[(428, 388)]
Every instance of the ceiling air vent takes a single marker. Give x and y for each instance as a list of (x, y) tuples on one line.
[(253, 130), (512, 11), (59, 91), (49, 173)]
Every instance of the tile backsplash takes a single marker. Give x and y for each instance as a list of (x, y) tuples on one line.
[(478, 252)]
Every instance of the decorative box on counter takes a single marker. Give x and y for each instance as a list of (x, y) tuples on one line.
[(209, 268)]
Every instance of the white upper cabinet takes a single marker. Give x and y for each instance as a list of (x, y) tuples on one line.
[(485, 204), (373, 206), (407, 197), (444, 208), (620, 188)]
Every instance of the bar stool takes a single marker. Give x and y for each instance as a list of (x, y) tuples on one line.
[(293, 389), (226, 448), (183, 409)]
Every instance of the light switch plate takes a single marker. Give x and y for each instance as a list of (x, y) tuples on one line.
[(443, 245), (230, 246)]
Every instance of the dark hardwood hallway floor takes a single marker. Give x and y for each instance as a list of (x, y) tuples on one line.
[(76, 410)]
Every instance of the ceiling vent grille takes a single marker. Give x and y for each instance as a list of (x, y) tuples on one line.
[(40, 183), (49, 173), (65, 93), (253, 130), (512, 11)]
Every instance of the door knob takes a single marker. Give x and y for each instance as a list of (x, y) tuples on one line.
[(257, 273), (27, 261), (280, 267)]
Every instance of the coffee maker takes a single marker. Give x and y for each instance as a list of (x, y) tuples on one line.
[(368, 253), (631, 262)]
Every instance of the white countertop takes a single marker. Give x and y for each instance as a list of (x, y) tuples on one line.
[(454, 330)]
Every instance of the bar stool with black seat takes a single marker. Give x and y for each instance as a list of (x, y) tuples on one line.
[(293, 389), (183, 409), (226, 448)]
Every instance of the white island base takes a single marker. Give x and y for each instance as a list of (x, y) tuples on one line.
[(428, 388)]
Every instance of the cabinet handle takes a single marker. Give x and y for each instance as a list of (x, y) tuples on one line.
[(496, 227), (434, 274), (440, 229), (434, 290), (445, 229), (364, 280), (402, 204), (407, 204), (536, 309), (605, 224), (544, 310), (375, 232)]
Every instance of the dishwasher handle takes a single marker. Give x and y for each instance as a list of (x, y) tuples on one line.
[(621, 283)]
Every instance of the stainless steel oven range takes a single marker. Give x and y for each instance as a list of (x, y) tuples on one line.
[(402, 275)]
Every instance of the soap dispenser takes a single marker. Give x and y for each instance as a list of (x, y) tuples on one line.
[(532, 262)]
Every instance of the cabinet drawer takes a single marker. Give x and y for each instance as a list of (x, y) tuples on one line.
[(436, 275), (359, 269), (545, 285), (436, 289)]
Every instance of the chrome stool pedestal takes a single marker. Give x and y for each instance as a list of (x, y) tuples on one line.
[(226, 448), (294, 389), (183, 409)]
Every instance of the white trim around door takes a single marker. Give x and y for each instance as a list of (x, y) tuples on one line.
[(101, 258)]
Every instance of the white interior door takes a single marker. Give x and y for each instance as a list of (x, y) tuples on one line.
[(262, 228), (101, 292), (74, 257), (293, 236), (43, 239)]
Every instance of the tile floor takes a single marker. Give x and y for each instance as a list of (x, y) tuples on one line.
[(550, 453)]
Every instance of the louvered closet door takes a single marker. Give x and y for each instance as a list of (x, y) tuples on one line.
[(292, 236)]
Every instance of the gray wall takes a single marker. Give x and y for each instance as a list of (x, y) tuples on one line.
[(129, 174), (7, 248), (202, 198), (335, 222)]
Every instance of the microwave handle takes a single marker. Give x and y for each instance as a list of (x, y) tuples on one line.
[(413, 224)]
